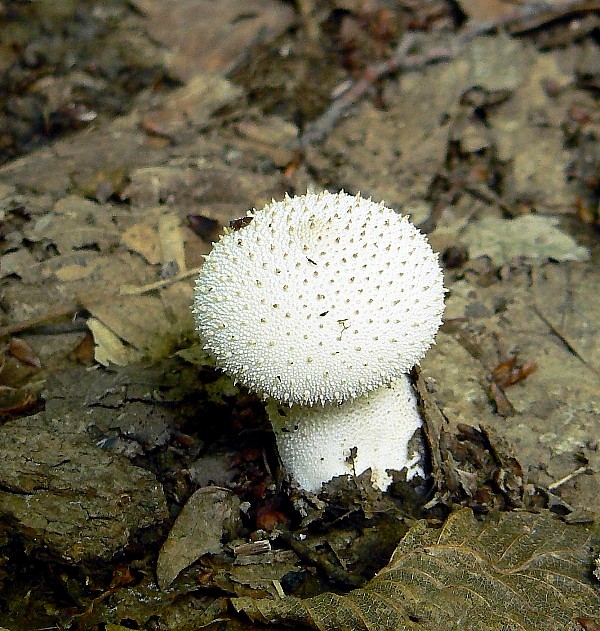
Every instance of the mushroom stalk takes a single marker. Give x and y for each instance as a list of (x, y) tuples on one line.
[(318, 443)]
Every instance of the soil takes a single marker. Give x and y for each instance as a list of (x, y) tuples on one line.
[(139, 487)]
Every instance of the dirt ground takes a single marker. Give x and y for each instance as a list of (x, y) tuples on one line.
[(139, 487)]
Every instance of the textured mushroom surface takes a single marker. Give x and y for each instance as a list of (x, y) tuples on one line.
[(320, 442), (320, 298)]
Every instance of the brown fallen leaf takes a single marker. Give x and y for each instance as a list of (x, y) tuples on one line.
[(226, 31), (18, 401), (517, 570), (268, 518), (21, 350), (143, 239), (153, 128), (122, 575), (209, 515), (205, 227), (588, 625), (83, 353), (511, 371), (170, 235), (480, 10)]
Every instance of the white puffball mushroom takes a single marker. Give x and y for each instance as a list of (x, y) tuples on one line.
[(320, 442), (320, 298)]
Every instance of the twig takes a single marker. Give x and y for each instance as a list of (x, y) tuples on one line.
[(399, 60), (550, 13), (129, 290), (541, 12), (59, 312), (81, 301), (568, 478), (563, 339), (75, 325), (489, 196)]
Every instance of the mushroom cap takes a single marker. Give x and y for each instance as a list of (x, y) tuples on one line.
[(320, 298), (373, 431)]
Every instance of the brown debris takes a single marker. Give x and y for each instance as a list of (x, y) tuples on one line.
[(512, 371), (22, 351), (15, 402), (205, 227), (470, 464), (503, 406)]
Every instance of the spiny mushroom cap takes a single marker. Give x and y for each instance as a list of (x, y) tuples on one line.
[(320, 298), (320, 442)]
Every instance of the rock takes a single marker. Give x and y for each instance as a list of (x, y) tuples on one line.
[(65, 497)]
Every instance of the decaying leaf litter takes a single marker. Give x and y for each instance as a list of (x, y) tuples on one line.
[(129, 463)]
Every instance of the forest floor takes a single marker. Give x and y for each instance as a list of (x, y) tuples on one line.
[(131, 134)]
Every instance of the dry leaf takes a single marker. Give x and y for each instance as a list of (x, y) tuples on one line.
[(143, 239), (127, 329), (210, 514), (75, 271), (517, 571), (22, 263), (483, 10), (110, 348), (258, 576), (533, 236), (83, 353), (22, 351), (18, 401), (76, 223), (210, 36), (191, 107), (171, 242)]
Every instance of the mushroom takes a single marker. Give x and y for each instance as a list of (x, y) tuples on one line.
[(318, 443), (326, 300), (319, 299)]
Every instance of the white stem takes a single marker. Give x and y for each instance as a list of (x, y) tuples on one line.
[(317, 443)]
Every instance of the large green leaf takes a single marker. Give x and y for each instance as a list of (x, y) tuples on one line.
[(514, 571)]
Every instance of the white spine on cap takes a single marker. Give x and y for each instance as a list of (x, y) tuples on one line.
[(319, 299)]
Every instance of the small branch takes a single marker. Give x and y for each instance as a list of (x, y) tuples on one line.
[(399, 60), (568, 478), (563, 339), (525, 18), (53, 314), (78, 303), (550, 12), (129, 290)]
